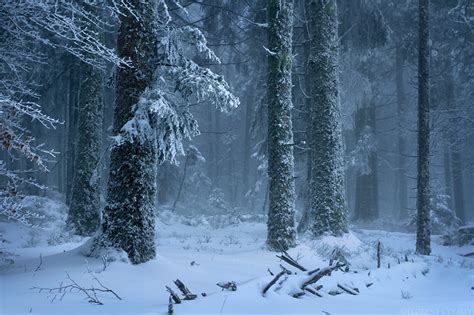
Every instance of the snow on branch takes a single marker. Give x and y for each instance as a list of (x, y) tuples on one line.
[(179, 81), (205, 85)]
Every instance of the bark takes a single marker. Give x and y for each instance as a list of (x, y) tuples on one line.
[(128, 216), (83, 217), (281, 231), (423, 235), (327, 203)]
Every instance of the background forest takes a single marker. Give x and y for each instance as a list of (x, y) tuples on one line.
[(223, 169), (131, 121)]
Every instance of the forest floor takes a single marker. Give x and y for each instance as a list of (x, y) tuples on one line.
[(202, 256)]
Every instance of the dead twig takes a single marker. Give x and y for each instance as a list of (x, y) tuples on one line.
[(90, 293)]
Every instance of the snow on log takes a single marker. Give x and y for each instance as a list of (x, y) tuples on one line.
[(348, 289), (321, 273)]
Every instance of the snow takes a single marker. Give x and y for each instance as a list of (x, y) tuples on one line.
[(201, 256)]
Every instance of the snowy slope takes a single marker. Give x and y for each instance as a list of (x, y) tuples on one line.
[(438, 284)]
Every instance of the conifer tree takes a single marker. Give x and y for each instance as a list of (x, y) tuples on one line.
[(281, 230), (327, 205)]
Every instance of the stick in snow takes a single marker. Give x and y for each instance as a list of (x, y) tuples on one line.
[(170, 305), (187, 294), (378, 254), (173, 295), (348, 289), (274, 280)]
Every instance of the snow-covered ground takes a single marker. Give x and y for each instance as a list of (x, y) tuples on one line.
[(202, 256)]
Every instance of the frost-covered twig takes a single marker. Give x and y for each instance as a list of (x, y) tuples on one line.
[(90, 293)]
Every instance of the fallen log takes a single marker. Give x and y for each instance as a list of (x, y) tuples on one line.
[(274, 280), (173, 295), (187, 294), (314, 292), (298, 294), (326, 271), (289, 260), (348, 289)]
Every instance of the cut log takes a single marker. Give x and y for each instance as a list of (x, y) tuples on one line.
[(348, 289), (173, 295), (334, 292), (170, 305), (187, 294), (368, 285)]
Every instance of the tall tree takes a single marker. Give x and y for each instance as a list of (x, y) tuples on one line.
[(327, 204), (128, 216), (401, 108), (152, 118), (423, 233), (281, 231), (83, 217), (366, 205)]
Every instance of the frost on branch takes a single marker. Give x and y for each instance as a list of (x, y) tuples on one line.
[(28, 29), (179, 82)]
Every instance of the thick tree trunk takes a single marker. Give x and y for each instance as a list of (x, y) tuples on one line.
[(128, 216), (402, 165), (281, 232), (84, 216), (423, 233), (327, 196)]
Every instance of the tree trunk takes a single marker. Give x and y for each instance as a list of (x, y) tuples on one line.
[(458, 183), (453, 136), (74, 87), (402, 165), (84, 216), (448, 176), (423, 233), (281, 231), (128, 216), (327, 203), (366, 180)]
